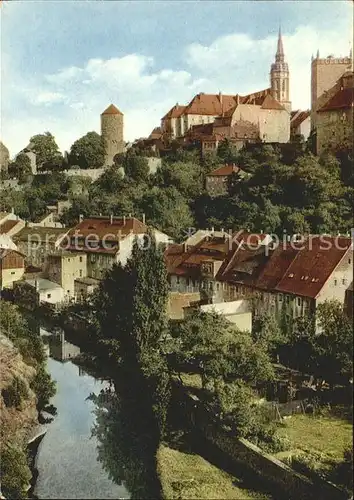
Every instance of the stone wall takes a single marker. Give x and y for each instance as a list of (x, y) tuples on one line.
[(282, 479)]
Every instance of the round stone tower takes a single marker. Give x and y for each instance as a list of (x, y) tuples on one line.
[(112, 126)]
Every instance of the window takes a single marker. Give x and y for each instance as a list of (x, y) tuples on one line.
[(188, 282), (280, 298), (217, 286), (80, 259), (299, 301), (68, 292), (12, 272), (349, 261), (344, 281), (335, 282), (49, 295), (80, 273), (177, 280)]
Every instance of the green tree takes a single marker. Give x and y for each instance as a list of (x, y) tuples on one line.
[(22, 167), (136, 167), (88, 151), (188, 178), (167, 210), (227, 152), (46, 148), (335, 343), (218, 351)]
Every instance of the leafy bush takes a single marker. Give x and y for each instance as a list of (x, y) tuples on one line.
[(15, 473), (270, 441), (343, 473), (15, 393), (43, 386)]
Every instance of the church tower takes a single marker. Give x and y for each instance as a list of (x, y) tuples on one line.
[(112, 128), (279, 76)]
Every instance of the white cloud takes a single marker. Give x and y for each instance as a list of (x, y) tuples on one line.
[(48, 98), (69, 102)]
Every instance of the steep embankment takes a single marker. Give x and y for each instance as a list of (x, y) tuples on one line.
[(18, 417)]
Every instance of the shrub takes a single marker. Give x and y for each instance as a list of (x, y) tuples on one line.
[(15, 473), (270, 441), (43, 386), (15, 393)]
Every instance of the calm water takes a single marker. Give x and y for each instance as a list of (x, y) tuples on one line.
[(67, 456)]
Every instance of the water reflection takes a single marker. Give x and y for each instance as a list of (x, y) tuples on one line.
[(67, 459), (126, 447)]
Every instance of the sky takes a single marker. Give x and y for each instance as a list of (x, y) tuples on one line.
[(63, 62)]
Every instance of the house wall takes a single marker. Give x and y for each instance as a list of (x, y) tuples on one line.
[(8, 276), (52, 295), (216, 185), (338, 282), (274, 124), (64, 269), (177, 302)]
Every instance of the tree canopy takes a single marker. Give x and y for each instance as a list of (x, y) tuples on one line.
[(46, 148), (88, 151)]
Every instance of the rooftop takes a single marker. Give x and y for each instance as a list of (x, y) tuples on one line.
[(343, 99), (111, 110), (6, 226), (43, 284), (226, 170), (45, 233)]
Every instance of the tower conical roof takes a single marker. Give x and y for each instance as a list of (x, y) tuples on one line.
[(280, 49), (112, 110)]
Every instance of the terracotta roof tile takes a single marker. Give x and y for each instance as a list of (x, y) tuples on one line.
[(111, 110), (175, 112), (343, 99), (210, 104), (311, 267), (224, 171), (8, 225), (297, 117)]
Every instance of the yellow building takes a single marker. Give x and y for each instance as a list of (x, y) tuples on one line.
[(12, 267)]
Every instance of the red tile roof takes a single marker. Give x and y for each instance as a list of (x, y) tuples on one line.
[(175, 112), (101, 228), (297, 268), (8, 225), (225, 170), (343, 99), (313, 265), (210, 104), (112, 110)]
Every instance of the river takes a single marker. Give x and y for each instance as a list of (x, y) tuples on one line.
[(67, 458)]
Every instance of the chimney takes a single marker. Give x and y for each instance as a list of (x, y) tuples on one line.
[(237, 99), (185, 247), (143, 218), (123, 220), (111, 219)]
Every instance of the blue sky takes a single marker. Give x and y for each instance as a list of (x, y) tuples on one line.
[(64, 62)]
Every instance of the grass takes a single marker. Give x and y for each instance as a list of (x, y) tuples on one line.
[(327, 435), (189, 476)]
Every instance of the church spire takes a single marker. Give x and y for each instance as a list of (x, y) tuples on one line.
[(279, 56)]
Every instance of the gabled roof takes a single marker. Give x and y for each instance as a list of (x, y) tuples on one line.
[(297, 117), (313, 265), (343, 99), (6, 226), (6, 251), (225, 170), (175, 112), (103, 228), (46, 234), (210, 104), (111, 110), (270, 103)]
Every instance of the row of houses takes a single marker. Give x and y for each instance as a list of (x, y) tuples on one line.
[(237, 274), (290, 278)]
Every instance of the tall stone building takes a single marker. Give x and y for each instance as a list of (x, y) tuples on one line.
[(112, 132), (268, 110), (279, 77), (325, 73)]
